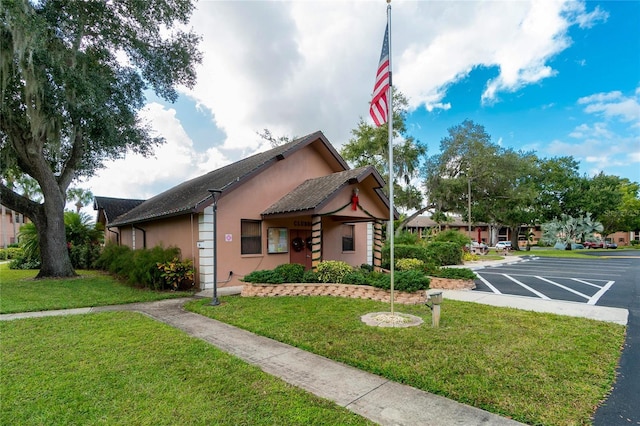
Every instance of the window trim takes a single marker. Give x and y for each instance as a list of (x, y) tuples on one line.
[(352, 237), (254, 238)]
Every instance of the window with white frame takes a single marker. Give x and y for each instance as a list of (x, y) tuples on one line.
[(348, 237)]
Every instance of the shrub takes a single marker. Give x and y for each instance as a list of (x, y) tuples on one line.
[(406, 238), (455, 273), (366, 267), (635, 242), (444, 253), (403, 251), (115, 259), (452, 236), (333, 271), (310, 277), (467, 257), (291, 272), (355, 277), (263, 277), (177, 273), (10, 253), (409, 264), (144, 270), (25, 262), (137, 267), (408, 281)]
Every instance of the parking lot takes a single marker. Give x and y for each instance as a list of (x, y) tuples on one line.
[(603, 281)]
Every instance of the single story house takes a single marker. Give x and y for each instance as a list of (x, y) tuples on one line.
[(295, 203)]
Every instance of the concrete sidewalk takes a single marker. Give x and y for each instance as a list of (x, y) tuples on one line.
[(376, 398)]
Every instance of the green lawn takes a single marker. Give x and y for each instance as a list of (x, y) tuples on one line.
[(536, 368), (20, 292), (123, 368)]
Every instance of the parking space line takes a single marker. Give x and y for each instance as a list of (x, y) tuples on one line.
[(586, 282), (488, 284), (523, 285), (594, 299), (564, 287)]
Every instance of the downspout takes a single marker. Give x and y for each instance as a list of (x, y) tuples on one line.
[(117, 236), (144, 236)]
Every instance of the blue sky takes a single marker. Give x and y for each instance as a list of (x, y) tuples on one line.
[(558, 77)]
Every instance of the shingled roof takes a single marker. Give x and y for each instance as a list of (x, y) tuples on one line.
[(313, 194), (114, 207), (193, 195)]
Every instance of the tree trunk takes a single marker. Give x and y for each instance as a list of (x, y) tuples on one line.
[(53, 240), (48, 219)]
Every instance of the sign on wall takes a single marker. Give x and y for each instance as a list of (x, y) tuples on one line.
[(278, 240)]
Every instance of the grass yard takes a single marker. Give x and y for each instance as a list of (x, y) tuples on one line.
[(535, 368), (126, 369), (20, 292)]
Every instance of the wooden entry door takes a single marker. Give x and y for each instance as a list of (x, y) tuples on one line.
[(300, 247)]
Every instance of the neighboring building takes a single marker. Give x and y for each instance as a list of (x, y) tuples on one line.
[(296, 203), (422, 225), (10, 223), (482, 232)]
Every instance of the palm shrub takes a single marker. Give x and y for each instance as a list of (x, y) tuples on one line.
[(84, 240), (28, 242)]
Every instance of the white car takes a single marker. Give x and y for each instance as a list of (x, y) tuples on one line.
[(503, 245)]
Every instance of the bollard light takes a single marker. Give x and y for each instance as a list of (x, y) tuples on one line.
[(436, 300)]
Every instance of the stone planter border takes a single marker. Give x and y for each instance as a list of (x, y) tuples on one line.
[(352, 291)]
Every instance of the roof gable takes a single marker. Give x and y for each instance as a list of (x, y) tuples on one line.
[(193, 195), (313, 194), (114, 207)]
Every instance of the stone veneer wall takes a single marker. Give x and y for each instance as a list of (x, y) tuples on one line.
[(339, 290), (451, 284)]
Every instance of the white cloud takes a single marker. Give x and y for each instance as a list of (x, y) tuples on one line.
[(173, 162), (295, 67), (614, 105)]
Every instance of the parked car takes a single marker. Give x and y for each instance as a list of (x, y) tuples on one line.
[(503, 245), (594, 244), (563, 246), (611, 245)]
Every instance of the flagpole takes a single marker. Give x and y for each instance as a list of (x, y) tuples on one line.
[(390, 228)]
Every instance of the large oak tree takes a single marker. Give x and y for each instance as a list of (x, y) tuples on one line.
[(72, 77)]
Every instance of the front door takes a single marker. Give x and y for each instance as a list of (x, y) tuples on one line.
[(300, 247)]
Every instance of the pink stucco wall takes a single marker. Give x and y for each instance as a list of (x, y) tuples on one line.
[(193, 233)]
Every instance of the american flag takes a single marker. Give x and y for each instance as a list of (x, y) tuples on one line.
[(379, 105)]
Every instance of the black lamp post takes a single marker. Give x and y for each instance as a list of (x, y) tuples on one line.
[(215, 194)]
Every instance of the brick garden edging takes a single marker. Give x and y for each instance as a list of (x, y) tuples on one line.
[(451, 284), (339, 290), (353, 291)]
